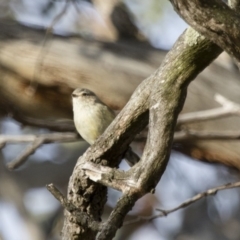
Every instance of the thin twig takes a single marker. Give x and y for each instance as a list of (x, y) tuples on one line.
[(22, 158), (228, 108), (76, 6), (164, 213), (37, 141), (61, 125), (81, 217), (59, 196), (187, 134), (43, 51), (47, 138)]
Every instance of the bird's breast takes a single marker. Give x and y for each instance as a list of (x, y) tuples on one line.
[(91, 122)]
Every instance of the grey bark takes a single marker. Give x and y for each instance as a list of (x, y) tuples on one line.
[(163, 95)]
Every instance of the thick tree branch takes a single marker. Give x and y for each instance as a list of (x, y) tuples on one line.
[(234, 4), (215, 20), (165, 91)]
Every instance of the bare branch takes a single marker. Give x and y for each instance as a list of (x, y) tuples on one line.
[(47, 138), (43, 51), (115, 220), (23, 157), (228, 108), (59, 196), (58, 17), (164, 213), (187, 134), (183, 62), (223, 29), (80, 217), (37, 141), (235, 4), (76, 6), (61, 125)]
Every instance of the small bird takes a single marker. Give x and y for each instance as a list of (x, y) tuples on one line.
[(92, 117)]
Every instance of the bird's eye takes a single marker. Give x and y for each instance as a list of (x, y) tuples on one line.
[(85, 94)]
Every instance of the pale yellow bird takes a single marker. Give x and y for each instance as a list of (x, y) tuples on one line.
[(92, 117)]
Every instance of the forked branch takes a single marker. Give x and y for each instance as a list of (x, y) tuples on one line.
[(162, 95)]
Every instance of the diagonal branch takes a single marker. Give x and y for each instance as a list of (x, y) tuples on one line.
[(44, 49), (81, 217), (22, 158), (190, 55), (187, 134), (36, 142), (228, 108), (215, 20), (164, 213)]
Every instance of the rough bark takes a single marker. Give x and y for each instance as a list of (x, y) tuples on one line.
[(164, 102), (163, 94), (215, 20)]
